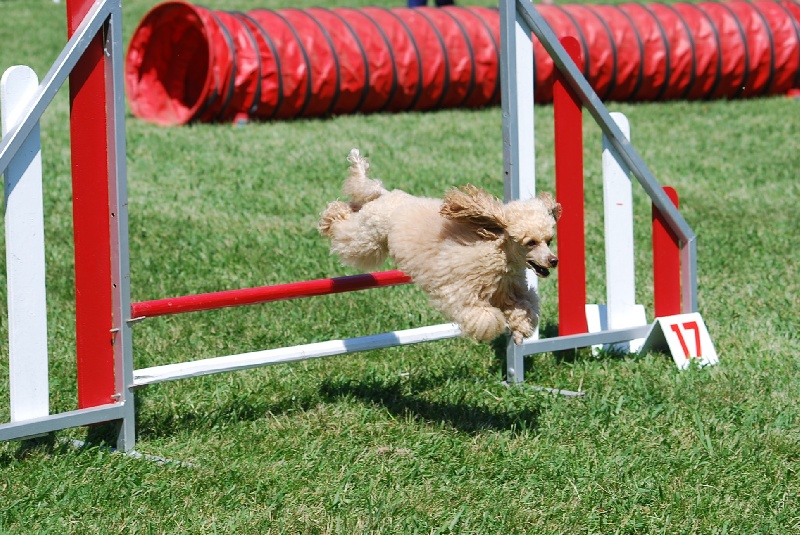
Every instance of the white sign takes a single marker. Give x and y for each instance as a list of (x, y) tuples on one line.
[(686, 338)]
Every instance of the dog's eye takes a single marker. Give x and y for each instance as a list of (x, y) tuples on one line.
[(531, 243)]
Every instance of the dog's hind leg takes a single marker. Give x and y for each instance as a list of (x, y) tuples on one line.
[(355, 243), (336, 211), (484, 323)]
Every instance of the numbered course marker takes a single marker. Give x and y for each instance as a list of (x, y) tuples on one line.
[(686, 338)]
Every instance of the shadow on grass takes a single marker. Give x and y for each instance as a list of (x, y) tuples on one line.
[(102, 436), (240, 407), (26, 448), (420, 398), (407, 398)]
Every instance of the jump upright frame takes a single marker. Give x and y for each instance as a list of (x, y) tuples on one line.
[(105, 315)]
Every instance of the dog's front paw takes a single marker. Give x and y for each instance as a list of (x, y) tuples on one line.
[(519, 336), (522, 324)]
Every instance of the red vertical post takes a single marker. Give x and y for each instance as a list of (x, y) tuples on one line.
[(91, 216), (666, 263), (568, 118)]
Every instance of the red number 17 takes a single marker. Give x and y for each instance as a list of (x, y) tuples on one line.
[(692, 326)]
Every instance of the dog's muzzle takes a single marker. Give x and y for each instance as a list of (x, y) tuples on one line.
[(542, 271)]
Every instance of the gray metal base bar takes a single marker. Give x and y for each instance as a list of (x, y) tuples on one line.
[(56, 422)]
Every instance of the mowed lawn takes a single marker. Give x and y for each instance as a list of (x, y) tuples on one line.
[(425, 438)]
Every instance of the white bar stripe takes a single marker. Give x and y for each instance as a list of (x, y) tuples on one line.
[(171, 372)]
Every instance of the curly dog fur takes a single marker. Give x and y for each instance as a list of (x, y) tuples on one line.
[(469, 252)]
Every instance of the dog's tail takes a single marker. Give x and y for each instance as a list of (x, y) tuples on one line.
[(358, 186)]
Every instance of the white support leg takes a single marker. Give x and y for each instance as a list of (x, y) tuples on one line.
[(621, 310), (24, 224)]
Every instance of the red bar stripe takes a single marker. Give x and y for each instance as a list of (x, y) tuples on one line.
[(265, 294), (666, 263), (568, 132)]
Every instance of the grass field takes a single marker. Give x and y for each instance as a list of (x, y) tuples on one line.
[(420, 439)]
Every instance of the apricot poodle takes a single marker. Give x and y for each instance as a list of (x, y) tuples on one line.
[(469, 252)]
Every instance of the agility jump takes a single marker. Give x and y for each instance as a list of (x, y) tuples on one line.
[(107, 377)]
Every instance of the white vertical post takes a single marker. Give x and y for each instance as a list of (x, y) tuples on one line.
[(618, 203), (621, 308), (517, 77), (24, 224)]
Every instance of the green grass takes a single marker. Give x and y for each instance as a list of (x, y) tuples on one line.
[(422, 438)]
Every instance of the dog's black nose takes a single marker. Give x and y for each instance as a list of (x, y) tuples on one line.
[(553, 261)]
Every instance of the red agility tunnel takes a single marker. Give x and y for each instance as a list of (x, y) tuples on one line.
[(186, 63)]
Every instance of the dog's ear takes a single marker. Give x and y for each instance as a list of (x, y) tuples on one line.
[(475, 206), (550, 204)]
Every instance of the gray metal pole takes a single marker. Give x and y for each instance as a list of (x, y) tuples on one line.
[(120, 266), (519, 157)]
